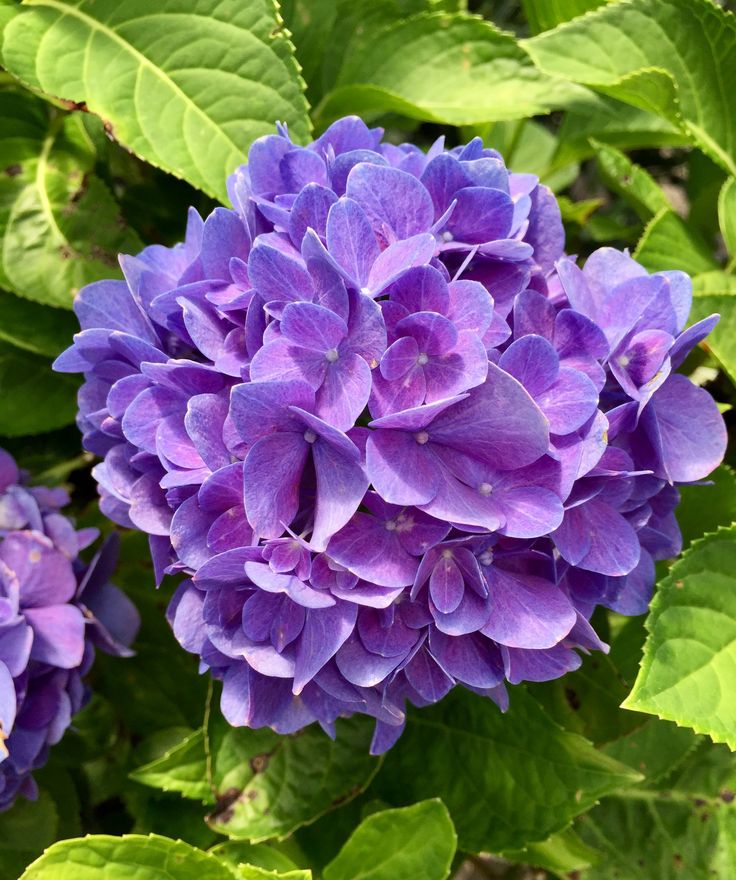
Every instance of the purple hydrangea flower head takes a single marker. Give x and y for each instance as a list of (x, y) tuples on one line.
[(395, 438), (54, 610)]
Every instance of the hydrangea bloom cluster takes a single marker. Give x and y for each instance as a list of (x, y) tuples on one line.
[(396, 439), (54, 610)]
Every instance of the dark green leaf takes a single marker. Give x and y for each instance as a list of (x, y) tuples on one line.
[(668, 243), (60, 226), (268, 784), (543, 15), (33, 327), (33, 399), (507, 780)]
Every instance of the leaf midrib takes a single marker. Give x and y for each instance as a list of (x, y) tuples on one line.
[(142, 60)]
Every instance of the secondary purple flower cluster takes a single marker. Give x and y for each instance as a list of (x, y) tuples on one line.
[(53, 610), (395, 437)]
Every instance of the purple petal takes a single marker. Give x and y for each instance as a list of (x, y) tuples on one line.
[(596, 537), (341, 485), (58, 635), (391, 198), (351, 241), (324, 632), (527, 611), (482, 214), (272, 475)]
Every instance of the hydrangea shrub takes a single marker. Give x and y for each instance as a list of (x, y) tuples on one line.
[(395, 437), (410, 439), (54, 611)]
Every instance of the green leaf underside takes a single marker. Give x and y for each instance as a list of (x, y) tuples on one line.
[(104, 857), (160, 78), (703, 508), (182, 768), (689, 660), (477, 760), (401, 844), (60, 226), (268, 785), (454, 69), (672, 57)]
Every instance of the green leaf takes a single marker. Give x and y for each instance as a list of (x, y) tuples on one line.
[(182, 768), (507, 780), (655, 749), (185, 85), (268, 784), (33, 399), (727, 214), (104, 857), (671, 57), (562, 853), (543, 15), (685, 828), (690, 653), (59, 225), (454, 69), (35, 328), (703, 508), (668, 243), (715, 293), (251, 872), (630, 181), (258, 855), (402, 844), (25, 831)]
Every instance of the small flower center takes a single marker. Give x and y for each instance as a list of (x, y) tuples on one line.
[(447, 235), (332, 355), (486, 557), (310, 436), (485, 489), (422, 359), (447, 554), (391, 526), (421, 437)]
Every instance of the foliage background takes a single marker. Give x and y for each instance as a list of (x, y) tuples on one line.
[(115, 115)]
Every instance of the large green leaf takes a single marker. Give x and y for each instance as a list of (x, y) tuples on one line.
[(402, 844), (669, 243), (268, 784), (103, 857), (686, 673), (60, 227), (33, 399), (507, 780), (185, 84), (25, 831), (672, 57), (455, 69), (543, 15)]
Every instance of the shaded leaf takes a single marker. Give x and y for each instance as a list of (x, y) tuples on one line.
[(703, 508), (727, 214), (33, 399), (507, 780), (33, 327), (630, 181), (60, 226), (269, 784), (669, 243), (543, 15)]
